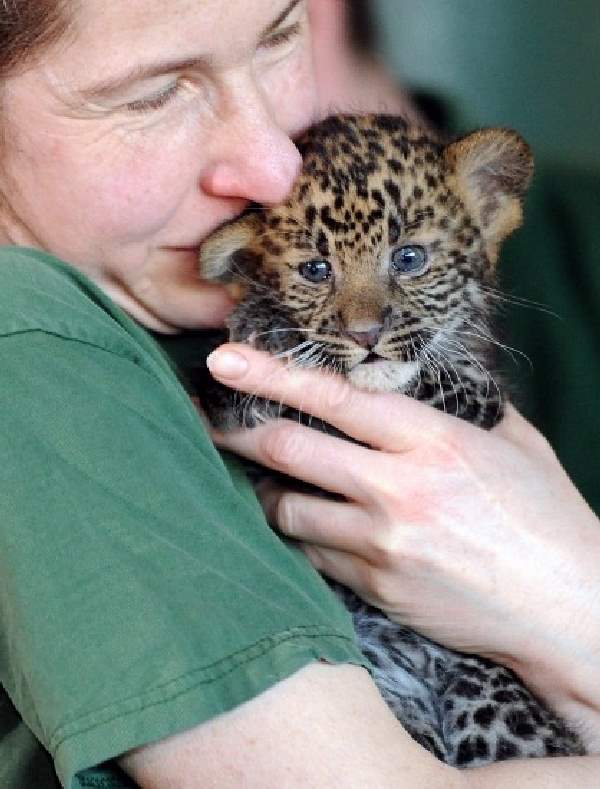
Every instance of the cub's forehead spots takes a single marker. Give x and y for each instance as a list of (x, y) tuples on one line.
[(376, 159), (367, 182)]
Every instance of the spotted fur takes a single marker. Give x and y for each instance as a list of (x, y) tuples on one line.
[(381, 266)]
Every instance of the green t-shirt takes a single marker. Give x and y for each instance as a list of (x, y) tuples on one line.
[(141, 590)]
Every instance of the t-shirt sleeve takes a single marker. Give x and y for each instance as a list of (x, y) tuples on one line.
[(141, 591)]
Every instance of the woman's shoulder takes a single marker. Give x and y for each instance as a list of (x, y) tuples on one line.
[(37, 290), (40, 293)]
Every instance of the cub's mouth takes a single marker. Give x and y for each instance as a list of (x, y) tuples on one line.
[(372, 358), (383, 375)]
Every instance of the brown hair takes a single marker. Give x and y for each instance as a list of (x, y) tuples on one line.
[(27, 27)]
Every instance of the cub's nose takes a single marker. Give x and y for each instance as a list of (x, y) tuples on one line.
[(366, 336)]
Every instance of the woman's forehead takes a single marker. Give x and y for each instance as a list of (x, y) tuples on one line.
[(115, 35), (210, 20)]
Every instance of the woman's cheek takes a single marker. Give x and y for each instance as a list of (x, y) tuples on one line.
[(154, 171), (138, 200)]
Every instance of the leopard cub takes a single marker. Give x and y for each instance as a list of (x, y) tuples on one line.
[(381, 266)]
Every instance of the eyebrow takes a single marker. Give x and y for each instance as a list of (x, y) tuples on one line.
[(148, 71), (281, 18)]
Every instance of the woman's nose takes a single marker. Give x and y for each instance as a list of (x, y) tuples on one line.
[(253, 159)]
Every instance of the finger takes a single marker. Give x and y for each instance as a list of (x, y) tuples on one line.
[(512, 420), (313, 519), (516, 429), (331, 463), (383, 420), (345, 568)]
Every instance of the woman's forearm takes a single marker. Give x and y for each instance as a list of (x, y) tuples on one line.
[(326, 726), (561, 659), (568, 682), (576, 772)]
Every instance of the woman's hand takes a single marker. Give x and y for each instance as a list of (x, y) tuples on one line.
[(477, 539)]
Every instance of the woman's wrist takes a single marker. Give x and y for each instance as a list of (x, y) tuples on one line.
[(571, 689), (561, 660)]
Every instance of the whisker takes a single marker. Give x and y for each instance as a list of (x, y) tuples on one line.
[(457, 378), (485, 335), (417, 359), (519, 301), (449, 337), (246, 278)]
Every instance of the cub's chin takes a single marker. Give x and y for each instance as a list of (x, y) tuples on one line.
[(383, 375)]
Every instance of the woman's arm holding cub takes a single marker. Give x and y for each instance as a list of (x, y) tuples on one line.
[(477, 539)]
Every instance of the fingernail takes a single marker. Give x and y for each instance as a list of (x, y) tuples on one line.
[(227, 364)]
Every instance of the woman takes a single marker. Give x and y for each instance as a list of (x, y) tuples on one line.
[(153, 628)]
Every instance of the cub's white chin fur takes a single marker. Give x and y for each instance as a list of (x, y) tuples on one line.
[(383, 376)]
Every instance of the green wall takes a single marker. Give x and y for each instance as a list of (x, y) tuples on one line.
[(529, 64)]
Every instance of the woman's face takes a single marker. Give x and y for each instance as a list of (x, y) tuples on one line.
[(153, 123)]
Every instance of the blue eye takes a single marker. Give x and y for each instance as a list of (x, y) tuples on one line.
[(410, 260), (315, 270)]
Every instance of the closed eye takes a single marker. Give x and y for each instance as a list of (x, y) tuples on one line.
[(156, 100), (282, 37)]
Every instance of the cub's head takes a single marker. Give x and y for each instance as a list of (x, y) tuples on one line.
[(380, 261)]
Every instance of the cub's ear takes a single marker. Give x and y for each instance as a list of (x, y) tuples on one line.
[(226, 254), (492, 170)]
